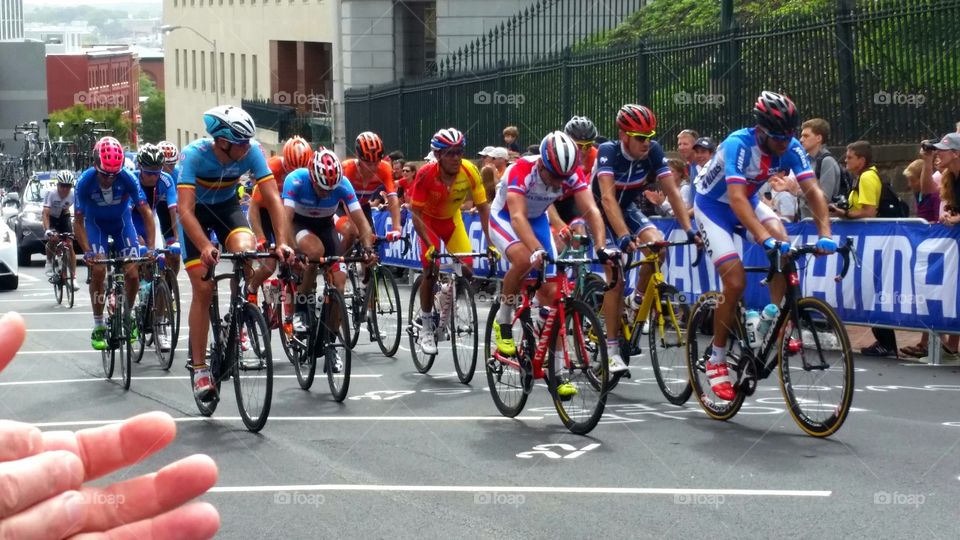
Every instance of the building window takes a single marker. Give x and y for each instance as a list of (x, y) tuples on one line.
[(179, 139), (253, 66), (222, 68), (203, 71), (243, 76), (174, 3), (233, 75), (193, 61), (213, 72), (185, 78), (176, 64)]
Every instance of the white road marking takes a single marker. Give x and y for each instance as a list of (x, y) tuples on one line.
[(158, 378), (311, 419), (527, 489)]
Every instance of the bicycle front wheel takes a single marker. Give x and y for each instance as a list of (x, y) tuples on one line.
[(108, 355), (385, 310), (141, 314), (121, 337), (174, 288), (69, 281), (423, 362), (58, 281), (700, 347), (463, 331), (336, 349), (816, 368), (252, 366), (355, 304), (163, 323), (668, 320), (510, 379), (576, 375)]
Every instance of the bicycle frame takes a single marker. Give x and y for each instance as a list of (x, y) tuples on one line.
[(631, 329)]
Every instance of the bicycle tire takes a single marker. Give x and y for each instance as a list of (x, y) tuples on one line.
[(836, 413), (465, 364), (385, 302), (587, 365), (174, 287), (305, 361), (163, 322), (672, 376), (254, 406), (509, 397), (423, 362), (592, 291), (698, 351), (339, 382), (107, 355), (354, 305), (58, 281), (141, 314), (209, 406), (285, 308), (71, 279), (121, 329)]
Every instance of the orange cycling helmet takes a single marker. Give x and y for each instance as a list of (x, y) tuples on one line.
[(296, 153), (369, 147)]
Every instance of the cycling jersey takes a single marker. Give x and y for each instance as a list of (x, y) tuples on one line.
[(58, 206), (275, 164), (366, 190), (298, 193), (174, 173), (524, 179), (741, 160), (434, 199), (631, 177), (213, 181), (107, 204), (590, 161), (165, 191)]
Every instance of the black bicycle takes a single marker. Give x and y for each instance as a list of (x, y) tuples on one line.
[(63, 276), (156, 313), (376, 306), (807, 342), (239, 347), (119, 340)]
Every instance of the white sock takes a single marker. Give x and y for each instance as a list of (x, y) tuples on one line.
[(505, 314), (719, 355)]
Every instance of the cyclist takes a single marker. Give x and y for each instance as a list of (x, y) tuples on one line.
[(583, 132), (369, 174), (296, 154), (623, 172), (105, 194), (727, 197), (171, 159), (56, 220), (311, 197), (207, 199), (161, 194), (520, 228), (439, 190)]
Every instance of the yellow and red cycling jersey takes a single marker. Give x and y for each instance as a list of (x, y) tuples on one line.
[(432, 197)]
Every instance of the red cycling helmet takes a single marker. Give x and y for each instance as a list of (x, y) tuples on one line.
[(369, 147), (296, 153), (637, 119), (325, 170), (109, 156)]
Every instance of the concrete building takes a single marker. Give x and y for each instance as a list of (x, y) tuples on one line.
[(23, 98), (60, 39), (97, 78), (11, 19)]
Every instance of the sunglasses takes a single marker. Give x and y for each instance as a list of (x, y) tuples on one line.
[(150, 172), (584, 144), (642, 137), (106, 174), (408, 170), (777, 136), (452, 153)]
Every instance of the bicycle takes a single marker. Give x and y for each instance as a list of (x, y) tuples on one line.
[(588, 286), (277, 308), (664, 312), (241, 330), (156, 313), (452, 290), (328, 334), (804, 324), (118, 335), (510, 379), (377, 306), (63, 277)]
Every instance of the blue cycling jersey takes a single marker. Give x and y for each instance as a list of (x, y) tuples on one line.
[(164, 192), (630, 176), (213, 181), (740, 160), (175, 173), (107, 204), (298, 193)]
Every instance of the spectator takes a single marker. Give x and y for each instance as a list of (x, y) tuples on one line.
[(685, 141), (681, 172), (395, 155), (785, 205), (510, 139), (397, 165), (492, 169), (814, 134), (532, 150), (948, 156), (703, 149), (404, 185), (863, 201), (925, 194)]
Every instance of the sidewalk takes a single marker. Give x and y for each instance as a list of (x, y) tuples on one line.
[(860, 337)]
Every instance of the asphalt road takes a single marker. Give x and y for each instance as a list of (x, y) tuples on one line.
[(413, 456)]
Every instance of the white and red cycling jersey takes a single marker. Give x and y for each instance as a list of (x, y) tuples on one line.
[(523, 178)]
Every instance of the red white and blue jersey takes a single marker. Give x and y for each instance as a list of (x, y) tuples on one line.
[(631, 177), (523, 178), (740, 160), (298, 193)]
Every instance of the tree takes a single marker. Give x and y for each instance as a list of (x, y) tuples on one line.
[(153, 125), (112, 117)]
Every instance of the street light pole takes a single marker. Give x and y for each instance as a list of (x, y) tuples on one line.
[(166, 29)]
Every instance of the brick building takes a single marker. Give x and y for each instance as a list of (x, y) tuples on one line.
[(98, 78)]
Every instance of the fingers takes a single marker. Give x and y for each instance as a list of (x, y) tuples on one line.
[(28, 481), (149, 495), (18, 440), (56, 517), (194, 521), (12, 332), (108, 448)]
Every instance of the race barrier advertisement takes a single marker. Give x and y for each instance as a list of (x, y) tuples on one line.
[(907, 276)]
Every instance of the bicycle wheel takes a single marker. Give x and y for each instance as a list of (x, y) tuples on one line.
[(68, 283), (510, 380), (355, 304), (174, 288), (58, 281), (163, 322), (121, 336), (592, 291), (107, 355), (305, 349), (385, 312), (252, 364), (333, 325), (292, 347), (699, 348), (463, 331), (423, 362), (569, 361), (816, 368), (141, 313), (668, 328)]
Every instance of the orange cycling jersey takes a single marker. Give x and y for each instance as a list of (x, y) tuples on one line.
[(433, 198), (587, 167), (382, 180), (275, 164)]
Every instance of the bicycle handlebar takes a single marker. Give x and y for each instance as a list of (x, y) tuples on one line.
[(658, 245), (239, 256), (846, 250)]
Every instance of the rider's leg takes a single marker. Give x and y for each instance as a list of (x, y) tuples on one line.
[(777, 285)]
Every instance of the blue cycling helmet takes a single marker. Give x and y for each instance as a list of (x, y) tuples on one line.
[(230, 123), (448, 138), (559, 154)]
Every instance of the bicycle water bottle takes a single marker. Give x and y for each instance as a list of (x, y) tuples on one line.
[(767, 317), (446, 293), (751, 321)]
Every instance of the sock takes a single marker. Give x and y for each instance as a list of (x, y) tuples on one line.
[(719, 355), (613, 347), (98, 321), (505, 314)]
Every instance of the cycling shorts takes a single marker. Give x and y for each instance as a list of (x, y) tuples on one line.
[(634, 219), (123, 232), (717, 223), (166, 226), (321, 227), (450, 231), (503, 236), (267, 225), (62, 223), (225, 219)]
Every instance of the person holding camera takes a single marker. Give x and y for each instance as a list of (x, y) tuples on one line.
[(945, 156)]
